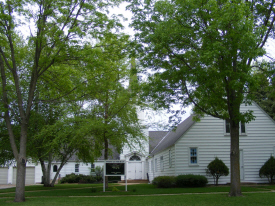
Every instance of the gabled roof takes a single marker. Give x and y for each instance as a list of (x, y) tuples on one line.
[(154, 138), (171, 137)]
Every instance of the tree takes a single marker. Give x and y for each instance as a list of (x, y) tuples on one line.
[(57, 32), (265, 94), (216, 169), (67, 137), (200, 53), (114, 106), (6, 155), (268, 169)]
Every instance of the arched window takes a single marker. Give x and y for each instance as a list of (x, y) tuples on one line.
[(55, 168), (135, 158)]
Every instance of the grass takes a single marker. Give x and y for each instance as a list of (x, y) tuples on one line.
[(142, 194)]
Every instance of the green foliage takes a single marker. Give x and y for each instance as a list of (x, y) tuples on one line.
[(114, 189), (201, 53), (265, 93), (99, 173), (191, 180), (39, 64), (216, 169), (77, 178), (268, 170), (164, 181), (6, 155)]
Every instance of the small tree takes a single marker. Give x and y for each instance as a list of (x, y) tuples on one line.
[(217, 168), (99, 173), (268, 169)]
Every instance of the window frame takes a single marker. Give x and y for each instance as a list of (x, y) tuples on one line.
[(55, 168), (161, 162), (156, 163), (190, 156), (170, 158), (76, 168), (242, 125)]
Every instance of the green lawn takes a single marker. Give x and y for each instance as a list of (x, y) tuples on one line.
[(142, 194)]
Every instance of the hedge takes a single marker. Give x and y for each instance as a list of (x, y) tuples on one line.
[(189, 180)]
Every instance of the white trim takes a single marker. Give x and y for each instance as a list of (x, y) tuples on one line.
[(189, 156), (240, 129), (170, 158), (161, 163)]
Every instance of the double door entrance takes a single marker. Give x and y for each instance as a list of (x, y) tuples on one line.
[(134, 170)]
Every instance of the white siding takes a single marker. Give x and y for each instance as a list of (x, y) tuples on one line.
[(69, 168), (167, 170), (208, 136)]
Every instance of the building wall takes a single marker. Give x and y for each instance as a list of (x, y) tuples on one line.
[(209, 137), (168, 169)]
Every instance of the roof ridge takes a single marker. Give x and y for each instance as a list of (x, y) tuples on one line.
[(175, 135)]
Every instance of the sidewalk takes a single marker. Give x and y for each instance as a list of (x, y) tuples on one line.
[(6, 186)]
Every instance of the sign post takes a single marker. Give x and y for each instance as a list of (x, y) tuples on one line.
[(114, 168)]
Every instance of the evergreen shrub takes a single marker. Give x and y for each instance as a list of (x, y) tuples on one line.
[(216, 169), (164, 181), (268, 170), (77, 178), (190, 180)]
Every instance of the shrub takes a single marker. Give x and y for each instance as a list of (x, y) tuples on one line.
[(268, 169), (216, 169), (164, 181), (191, 180), (114, 189), (77, 178), (99, 173)]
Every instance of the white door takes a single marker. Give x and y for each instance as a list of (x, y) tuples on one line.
[(4, 175), (241, 165), (134, 170)]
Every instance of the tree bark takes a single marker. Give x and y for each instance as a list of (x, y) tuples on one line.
[(106, 157), (235, 186), (20, 180), (46, 171), (63, 162)]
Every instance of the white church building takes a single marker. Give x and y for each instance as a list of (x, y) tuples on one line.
[(188, 150)]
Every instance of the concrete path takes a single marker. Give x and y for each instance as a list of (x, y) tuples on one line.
[(6, 186)]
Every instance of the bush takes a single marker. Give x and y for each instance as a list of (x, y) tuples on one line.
[(114, 189), (191, 180), (216, 169), (77, 178), (99, 173), (268, 169), (164, 181)]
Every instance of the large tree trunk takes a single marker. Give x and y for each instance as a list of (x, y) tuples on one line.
[(21, 164), (106, 157), (235, 186), (63, 162), (20, 180), (46, 171)]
